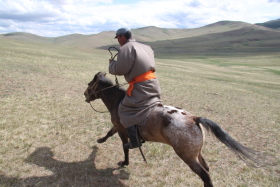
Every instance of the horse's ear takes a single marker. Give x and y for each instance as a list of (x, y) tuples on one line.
[(96, 75), (103, 74), (100, 75)]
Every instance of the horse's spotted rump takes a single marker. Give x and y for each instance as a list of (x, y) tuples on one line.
[(175, 110), (172, 111)]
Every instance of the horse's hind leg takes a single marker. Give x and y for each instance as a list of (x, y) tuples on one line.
[(203, 162), (201, 172), (198, 165), (112, 131)]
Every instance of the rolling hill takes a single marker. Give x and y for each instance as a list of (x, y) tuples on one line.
[(224, 37), (273, 24)]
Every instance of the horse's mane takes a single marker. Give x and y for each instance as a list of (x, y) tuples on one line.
[(102, 77), (105, 80)]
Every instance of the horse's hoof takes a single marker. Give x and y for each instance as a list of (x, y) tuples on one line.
[(123, 163), (101, 140)]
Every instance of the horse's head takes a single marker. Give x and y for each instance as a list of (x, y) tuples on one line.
[(91, 91)]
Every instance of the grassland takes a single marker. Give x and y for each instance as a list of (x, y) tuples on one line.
[(48, 133)]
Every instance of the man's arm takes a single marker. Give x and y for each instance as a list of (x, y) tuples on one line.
[(123, 65)]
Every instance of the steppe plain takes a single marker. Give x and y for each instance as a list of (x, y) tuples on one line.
[(229, 74)]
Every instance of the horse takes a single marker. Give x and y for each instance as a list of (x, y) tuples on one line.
[(166, 124)]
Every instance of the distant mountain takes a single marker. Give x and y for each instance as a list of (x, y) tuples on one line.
[(26, 37), (274, 24), (224, 37)]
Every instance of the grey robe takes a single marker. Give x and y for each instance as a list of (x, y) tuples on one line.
[(135, 59)]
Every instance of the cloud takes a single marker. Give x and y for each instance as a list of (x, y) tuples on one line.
[(61, 17), (27, 10)]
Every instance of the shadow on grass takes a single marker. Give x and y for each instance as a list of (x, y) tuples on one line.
[(83, 173)]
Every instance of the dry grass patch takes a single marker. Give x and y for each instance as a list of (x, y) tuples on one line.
[(48, 133)]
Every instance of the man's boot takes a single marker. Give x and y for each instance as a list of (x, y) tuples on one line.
[(133, 136)]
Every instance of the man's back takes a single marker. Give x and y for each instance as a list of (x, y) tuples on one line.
[(134, 59)]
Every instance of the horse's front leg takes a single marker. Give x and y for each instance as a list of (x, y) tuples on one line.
[(124, 138), (112, 131)]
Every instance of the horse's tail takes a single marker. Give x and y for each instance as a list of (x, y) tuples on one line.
[(240, 150)]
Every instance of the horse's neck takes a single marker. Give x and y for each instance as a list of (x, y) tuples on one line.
[(112, 98)]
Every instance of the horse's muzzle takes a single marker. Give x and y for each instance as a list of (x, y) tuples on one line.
[(87, 97)]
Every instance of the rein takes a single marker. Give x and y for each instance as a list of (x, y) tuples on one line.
[(116, 80), (97, 110), (95, 92), (112, 58)]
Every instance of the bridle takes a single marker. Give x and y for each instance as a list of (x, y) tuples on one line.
[(94, 92), (95, 95), (93, 88)]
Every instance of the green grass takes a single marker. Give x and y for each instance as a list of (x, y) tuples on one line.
[(48, 133), (277, 72)]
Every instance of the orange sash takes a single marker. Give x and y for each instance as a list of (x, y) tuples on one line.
[(146, 76)]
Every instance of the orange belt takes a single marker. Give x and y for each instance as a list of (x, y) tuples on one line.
[(144, 77)]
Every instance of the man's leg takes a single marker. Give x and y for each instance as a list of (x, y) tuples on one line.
[(133, 136)]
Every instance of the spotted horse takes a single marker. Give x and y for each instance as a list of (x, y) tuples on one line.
[(169, 125)]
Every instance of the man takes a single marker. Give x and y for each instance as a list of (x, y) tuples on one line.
[(136, 62)]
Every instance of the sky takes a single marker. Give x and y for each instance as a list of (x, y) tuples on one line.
[(52, 18)]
